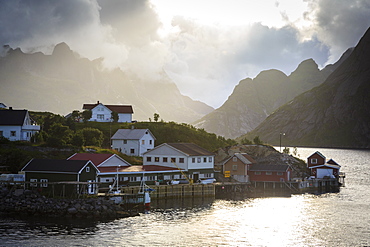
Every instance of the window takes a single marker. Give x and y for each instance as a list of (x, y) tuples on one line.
[(149, 159), (208, 175), (235, 159), (87, 168), (150, 142), (177, 176), (192, 160), (199, 160), (181, 160), (100, 116), (33, 182), (257, 173), (204, 159), (235, 167), (44, 183), (279, 173), (143, 142), (209, 159), (173, 160), (313, 161), (132, 150), (268, 173), (156, 159), (13, 133), (124, 141), (132, 179), (165, 159)]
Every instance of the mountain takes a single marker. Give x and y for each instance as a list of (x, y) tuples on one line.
[(63, 82), (334, 114), (254, 99)]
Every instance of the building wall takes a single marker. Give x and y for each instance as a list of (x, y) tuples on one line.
[(113, 161), (274, 177), (124, 118), (100, 113), (7, 132), (241, 168)]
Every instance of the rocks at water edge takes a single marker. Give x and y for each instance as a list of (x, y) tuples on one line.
[(31, 203)]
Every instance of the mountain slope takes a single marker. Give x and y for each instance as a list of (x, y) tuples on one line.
[(253, 100), (63, 82), (334, 114)]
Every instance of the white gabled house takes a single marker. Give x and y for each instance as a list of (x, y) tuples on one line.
[(196, 162), (103, 113), (17, 125), (133, 142)]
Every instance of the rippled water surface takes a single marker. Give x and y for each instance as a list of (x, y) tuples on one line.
[(333, 219)]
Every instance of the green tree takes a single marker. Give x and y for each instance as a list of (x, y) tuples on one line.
[(86, 115), (78, 139), (257, 140), (245, 141), (92, 137), (114, 116), (156, 117), (286, 150), (76, 115), (59, 135)]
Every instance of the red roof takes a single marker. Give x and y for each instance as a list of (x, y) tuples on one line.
[(96, 159), (115, 108)]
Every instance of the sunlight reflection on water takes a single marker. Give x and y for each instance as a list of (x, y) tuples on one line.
[(333, 219)]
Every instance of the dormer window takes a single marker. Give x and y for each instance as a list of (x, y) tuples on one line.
[(88, 169)]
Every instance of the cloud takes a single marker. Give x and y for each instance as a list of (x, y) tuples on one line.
[(206, 60)]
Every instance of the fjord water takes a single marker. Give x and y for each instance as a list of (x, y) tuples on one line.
[(333, 219)]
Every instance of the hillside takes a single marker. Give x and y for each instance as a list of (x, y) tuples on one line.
[(63, 82), (334, 114), (254, 99)]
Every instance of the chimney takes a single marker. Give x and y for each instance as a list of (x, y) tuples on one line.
[(10, 108), (98, 102), (132, 127)]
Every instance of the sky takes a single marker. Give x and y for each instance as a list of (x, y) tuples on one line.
[(206, 47)]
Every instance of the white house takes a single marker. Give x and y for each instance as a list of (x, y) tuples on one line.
[(196, 162), (103, 113), (16, 125), (133, 142)]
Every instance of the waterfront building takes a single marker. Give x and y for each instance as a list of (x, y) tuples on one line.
[(194, 162), (319, 168)]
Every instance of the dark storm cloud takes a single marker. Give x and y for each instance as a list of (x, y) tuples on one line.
[(39, 21), (340, 23)]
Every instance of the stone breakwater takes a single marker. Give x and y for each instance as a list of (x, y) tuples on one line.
[(30, 203)]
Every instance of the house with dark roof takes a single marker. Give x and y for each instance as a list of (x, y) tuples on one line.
[(133, 142), (320, 168), (237, 166), (193, 161), (103, 113), (17, 125), (61, 176)]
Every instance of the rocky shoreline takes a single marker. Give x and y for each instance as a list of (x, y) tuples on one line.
[(22, 202)]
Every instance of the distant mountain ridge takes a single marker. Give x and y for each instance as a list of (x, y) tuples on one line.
[(63, 82), (334, 114), (253, 100)]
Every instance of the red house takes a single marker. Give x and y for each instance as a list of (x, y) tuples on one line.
[(322, 169), (269, 173)]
